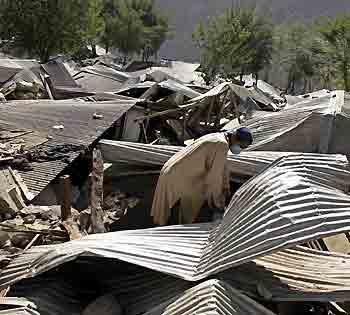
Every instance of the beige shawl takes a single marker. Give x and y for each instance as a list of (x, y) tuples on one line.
[(193, 176)]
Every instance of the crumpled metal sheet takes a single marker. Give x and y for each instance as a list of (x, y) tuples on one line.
[(50, 295), (180, 88), (309, 126), (247, 164), (256, 94), (298, 274), (137, 289), (80, 128), (17, 306), (211, 297), (288, 204), (216, 91), (264, 87)]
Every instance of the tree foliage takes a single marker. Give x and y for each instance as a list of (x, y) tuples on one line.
[(336, 36), (95, 22), (47, 27), (128, 31), (135, 27), (298, 51), (235, 43)]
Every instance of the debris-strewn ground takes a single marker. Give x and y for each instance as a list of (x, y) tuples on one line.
[(81, 149)]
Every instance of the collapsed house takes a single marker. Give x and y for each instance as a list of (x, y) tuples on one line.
[(81, 149)]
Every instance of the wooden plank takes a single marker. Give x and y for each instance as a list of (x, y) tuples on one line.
[(31, 243), (66, 197), (96, 193), (337, 309), (144, 132), (47, 87), (234, 102), (210, 110), (184, 127), (72, 229), (20, 183)]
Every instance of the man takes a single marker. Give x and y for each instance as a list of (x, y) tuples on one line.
[(196, 175)]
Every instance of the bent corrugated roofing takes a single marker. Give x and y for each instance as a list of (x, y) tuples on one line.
[(211, 297), (80, 128), (295, 200)]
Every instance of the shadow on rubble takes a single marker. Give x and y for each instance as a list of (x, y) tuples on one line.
[(142, 187), (93, 285)]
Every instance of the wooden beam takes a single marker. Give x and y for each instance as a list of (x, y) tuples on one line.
[(210, 110), (47, 86), (96, 192), (66, 197), (234, 103), (222, 107), (144, 130), (184, 127)]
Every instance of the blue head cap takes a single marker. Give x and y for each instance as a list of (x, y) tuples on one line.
[(244, 136)]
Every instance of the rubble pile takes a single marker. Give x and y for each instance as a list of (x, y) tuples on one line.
[(81, 149)]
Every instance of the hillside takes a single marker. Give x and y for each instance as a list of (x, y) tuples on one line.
[(185, 14)]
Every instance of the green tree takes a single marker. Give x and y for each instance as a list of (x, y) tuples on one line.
[(109, 13), (336, 35), (95, 23), (236, 43), (156, 29), (47, 27), (141, 18), (127, 31), (296, 51)]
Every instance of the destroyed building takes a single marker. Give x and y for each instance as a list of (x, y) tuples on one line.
[(81, 149)]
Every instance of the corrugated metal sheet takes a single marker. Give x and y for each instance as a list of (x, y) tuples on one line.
[(246, 164), (263, 86), (8, 68), (211, 297), (93, 82), (50, 295), (42, 174), (141, 85), (80, 128), (77, 118), (99, 78), (255, 94), (295, 200), (218, 90), (59, 74), (17, 306), (144, 291), (303, 127), (179, 72), (298, 274), (24, 75), (19, 311), (178, 87)]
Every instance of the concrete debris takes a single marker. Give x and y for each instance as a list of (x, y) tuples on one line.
[(82, 145)]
